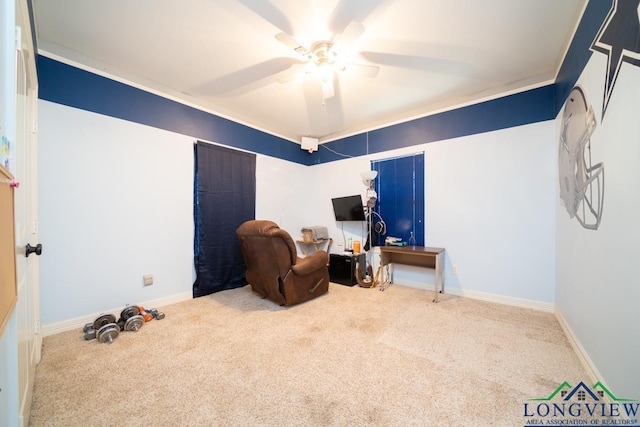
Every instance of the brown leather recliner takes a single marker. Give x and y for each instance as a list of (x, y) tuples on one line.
[(273, 267)]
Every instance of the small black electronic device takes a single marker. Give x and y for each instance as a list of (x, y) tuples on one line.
[(349, 208), (342, 268)]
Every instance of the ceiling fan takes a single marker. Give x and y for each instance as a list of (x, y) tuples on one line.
[(325, 59)]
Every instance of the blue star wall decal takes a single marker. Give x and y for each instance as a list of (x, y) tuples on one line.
[(619, 39)]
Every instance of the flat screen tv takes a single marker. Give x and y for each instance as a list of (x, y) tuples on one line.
[(348, 208)]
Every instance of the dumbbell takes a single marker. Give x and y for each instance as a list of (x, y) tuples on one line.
[(151, 314), (104, 328), (89, 332), (90, 328), (107, 333), (157, 314), (146, 314), (130, 319)]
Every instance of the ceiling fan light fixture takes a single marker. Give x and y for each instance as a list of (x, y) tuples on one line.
[(325, 59), (322, 52), (324, 72)]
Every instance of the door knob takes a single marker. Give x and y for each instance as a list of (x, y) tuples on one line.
[(31, 249)]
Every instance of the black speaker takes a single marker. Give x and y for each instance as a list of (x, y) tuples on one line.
[(342, 268)]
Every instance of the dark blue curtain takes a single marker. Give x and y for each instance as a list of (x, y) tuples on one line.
[(224, 198), (400, 188)]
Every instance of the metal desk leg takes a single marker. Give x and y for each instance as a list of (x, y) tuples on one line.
[(439, 278), (386, 280)]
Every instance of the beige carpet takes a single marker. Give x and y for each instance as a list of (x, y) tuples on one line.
[(353, 357)]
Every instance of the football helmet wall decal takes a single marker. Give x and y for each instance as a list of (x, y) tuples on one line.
[(581, 183)]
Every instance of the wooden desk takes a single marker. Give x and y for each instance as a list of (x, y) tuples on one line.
[(418, 256)]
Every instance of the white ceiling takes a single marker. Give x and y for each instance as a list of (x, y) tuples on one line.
[(222, 55)]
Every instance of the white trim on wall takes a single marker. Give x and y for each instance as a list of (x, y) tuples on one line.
[(502, 299), (483, 296), (79, 322), (589, 366)]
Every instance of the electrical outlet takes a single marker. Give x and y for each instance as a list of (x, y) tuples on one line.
[(148, 279), (455, 269)]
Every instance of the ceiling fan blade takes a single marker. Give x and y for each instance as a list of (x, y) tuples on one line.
[(292, 43), (294, 72), (363, 70), (269, 13), (430, 64), (328, 90), (334, 110), (354, 10), (247, 79), (323, 114), (349, 36)]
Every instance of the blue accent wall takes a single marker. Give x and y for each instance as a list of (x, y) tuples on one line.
[(532, 106), (67, 85), (579, 51), (71, 86)]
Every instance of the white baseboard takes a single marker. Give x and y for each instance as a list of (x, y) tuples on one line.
[(79, 322), (589, 366), (483, 296), (502, 299)]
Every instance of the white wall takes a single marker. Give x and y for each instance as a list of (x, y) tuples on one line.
[(283, 194), (337, 179), (489, 203), (116, 203), (598, 291)]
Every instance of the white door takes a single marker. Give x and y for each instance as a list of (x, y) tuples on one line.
[(26, 201)]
